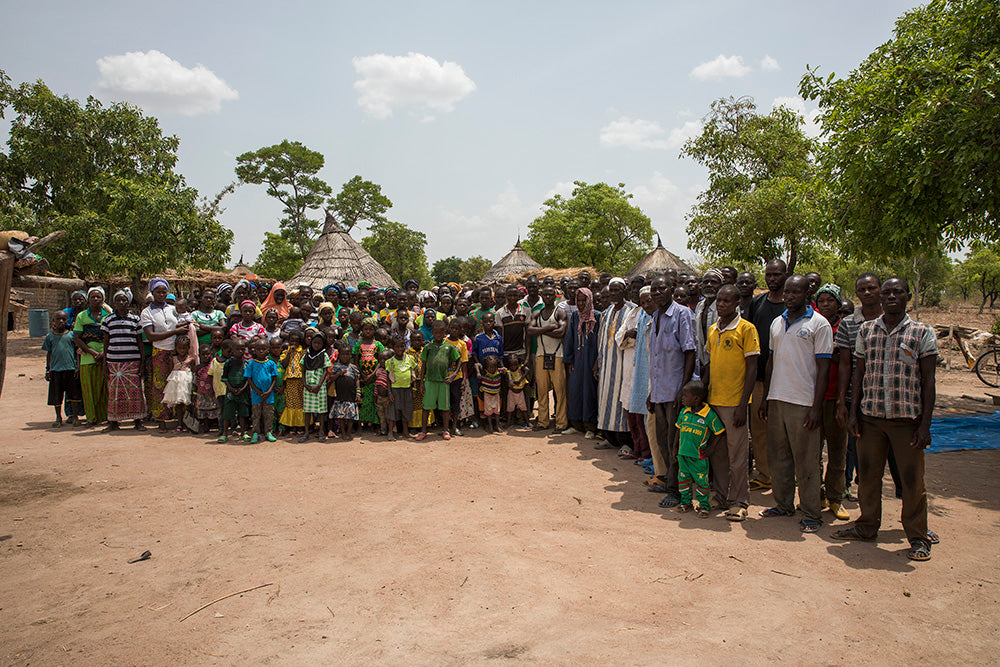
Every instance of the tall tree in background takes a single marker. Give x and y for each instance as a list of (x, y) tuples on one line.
[(359, 201), (762, 200), (474, 269), (106, 175), (596, 226), (289, 171), (399, 249), (912, 136), (447, 270)]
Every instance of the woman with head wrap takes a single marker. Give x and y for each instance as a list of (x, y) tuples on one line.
[(78, 302), (207, 318), (242, 292), (580, 359), (90, 342), (224, 294), (124, 356), (277, 299), (160, 324)]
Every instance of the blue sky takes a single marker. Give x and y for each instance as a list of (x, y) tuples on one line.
[(469, 115)]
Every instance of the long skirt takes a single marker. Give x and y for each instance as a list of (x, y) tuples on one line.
[(207, 406), (368, 411), (161, 364), (125, 397), (95, 392), (292, 415), (465, 409)]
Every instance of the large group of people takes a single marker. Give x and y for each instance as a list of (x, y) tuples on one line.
[(714, 389)]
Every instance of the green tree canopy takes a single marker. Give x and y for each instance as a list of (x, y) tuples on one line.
[(474, 268), (762, 201), (596, 226), (447, 270), (912, 149), (289, 171), (278, 258), (399, 249), (980, 270), (359, 200), (106, 175)]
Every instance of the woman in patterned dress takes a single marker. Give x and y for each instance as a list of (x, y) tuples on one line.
[(366, 353)]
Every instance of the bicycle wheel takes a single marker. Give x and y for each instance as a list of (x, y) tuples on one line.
[(988, 367)]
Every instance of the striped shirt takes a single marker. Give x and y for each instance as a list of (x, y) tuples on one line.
[(122, 342)]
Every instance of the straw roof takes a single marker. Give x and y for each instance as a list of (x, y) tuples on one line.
[(336, 256), (658, 260), (516, 261), (241, 268)]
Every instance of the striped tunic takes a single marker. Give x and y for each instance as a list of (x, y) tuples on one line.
[(610, 413)]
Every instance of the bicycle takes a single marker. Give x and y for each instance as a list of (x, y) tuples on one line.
[(988, 365)]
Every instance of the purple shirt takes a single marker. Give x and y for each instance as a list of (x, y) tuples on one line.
[(666, 351)]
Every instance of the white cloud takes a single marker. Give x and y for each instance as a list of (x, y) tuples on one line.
[(414, 80), (769, 64), (562, 188), (797, 104), (722, 66), (490, 233), (666, 205), (157, 82), (641, 134)]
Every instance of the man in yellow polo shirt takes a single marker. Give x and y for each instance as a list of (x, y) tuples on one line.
[(733, 348)]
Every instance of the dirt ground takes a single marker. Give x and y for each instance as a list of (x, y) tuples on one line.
[(485, 549)]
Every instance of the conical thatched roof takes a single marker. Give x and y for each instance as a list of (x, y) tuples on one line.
[(658, 260), (242, 269), (336, 256), (516, 261)]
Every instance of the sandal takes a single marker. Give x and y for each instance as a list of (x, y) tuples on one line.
[(933, 537), (703, 512), (446, 435), (757, 485), (684, 508), (774, 511), (670, 502), (850, 534), (736, 513), (919, 550), (809, 526)]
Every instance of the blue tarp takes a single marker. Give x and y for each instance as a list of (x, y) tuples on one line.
[(975, 431)]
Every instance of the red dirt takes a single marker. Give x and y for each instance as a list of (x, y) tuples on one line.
[(484, 549)]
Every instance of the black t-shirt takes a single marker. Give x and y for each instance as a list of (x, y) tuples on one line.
[(513, 328), (762, 313)]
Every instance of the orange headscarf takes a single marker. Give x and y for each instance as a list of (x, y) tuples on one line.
[(282, 307)]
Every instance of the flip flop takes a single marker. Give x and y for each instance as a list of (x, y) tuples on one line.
[(420, 436), (446, 435)]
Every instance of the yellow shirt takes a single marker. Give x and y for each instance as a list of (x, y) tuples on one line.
[(727, 351), (463, 350), (215, 370)]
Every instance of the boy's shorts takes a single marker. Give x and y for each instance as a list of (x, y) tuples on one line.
[(515, 400), (436, 395), (236, 406), (491, 404), (64, 383)]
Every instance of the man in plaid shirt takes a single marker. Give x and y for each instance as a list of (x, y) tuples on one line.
[(893, 383)]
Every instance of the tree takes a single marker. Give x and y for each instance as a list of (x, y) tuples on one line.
[(359, 200), (597, 226), (288, 169), (912, 149), (447, 270), (278, 258), (762, 200), (981, 271), (106, 175), (399, 249), (474, 268)]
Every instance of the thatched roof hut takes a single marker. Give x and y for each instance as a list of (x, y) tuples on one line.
[(336, 256), (658, 260), (516, 261), (242, 269)]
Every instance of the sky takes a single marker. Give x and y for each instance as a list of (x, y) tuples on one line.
[(469, 115)]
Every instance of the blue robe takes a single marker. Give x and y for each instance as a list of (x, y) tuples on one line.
[(581, 387)]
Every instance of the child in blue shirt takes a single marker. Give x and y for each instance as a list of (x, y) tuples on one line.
[(261, 372), (61, 371)]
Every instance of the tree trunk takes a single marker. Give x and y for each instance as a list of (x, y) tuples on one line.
[(793, 255), (916, 280)]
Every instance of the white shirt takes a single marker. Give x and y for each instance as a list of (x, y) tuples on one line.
[(795, 348), (161, 319)]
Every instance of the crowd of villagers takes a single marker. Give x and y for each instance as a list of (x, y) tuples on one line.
[(715, 389)]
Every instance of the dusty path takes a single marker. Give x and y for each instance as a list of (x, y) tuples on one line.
[(526, 548)]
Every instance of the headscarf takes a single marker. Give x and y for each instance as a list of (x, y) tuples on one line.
[(326, 305), (331, 286), (831, 289), (243, 282), (364, 284), (587, 319), (423, 294), (248, 302), (313, 359), (158, 282), (616, 280), (456, 288), (125, 292), (271, 310), (284, 307), (409, 282), (95, 288), (171, 297)]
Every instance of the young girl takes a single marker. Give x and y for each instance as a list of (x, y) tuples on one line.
[(315, 366), (517, 381), (366, 351), (291, 361), (217, 371), (177, 393), (416, 345), (489, 389), (60, 370), (205, 404), (383, 397), (347, 389), (401, 372), (277, 346), (247, 329), (271, 329)]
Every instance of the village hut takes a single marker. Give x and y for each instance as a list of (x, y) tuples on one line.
[(242, 269), (657, 261), (515, 262), (337, 257)]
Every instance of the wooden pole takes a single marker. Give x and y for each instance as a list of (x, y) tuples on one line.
[(6, 275)]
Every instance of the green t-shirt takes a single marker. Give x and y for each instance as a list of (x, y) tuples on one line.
[(401, 370), (216, 318), (437, 357), (90, 330), (695, 428)]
